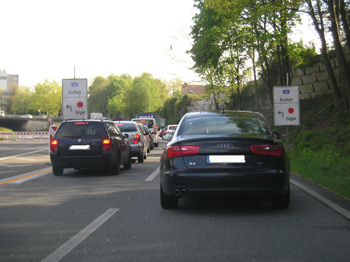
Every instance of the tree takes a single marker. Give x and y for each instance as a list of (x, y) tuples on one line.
[(334, 17), (98, 95), (21, 100), (47, 97)]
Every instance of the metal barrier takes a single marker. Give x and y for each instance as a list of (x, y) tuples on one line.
[(24, 135)]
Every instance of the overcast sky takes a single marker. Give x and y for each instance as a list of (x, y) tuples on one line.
[(46, 39)]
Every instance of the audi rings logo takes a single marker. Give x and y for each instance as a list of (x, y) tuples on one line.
[(225, 146)]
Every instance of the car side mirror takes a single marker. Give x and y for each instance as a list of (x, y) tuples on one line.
[(168, 136)]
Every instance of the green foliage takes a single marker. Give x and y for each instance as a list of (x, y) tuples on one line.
[(21, 101), (51, 93), (174, 108)]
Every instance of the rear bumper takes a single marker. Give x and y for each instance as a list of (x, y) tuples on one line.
[(240, 182), (136, 150), (102, 161)]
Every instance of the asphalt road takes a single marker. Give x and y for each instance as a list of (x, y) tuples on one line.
[(93, 216)]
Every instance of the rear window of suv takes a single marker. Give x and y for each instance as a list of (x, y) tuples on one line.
[(83, 129)]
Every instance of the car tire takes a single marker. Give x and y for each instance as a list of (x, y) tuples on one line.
[(145, 155), (148, 149), (116, 169), (281, 201), (168, 202), (156, 144), (128, 164), (152, 146), (57, 171), (140, 158)]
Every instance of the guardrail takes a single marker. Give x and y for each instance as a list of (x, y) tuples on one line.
[(44, 135)]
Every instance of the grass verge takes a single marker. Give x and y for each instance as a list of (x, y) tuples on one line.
[(324, 168)]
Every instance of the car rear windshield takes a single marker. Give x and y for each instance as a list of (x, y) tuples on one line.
[(147, 122), (81, 129), (225, 124), (127, 127)]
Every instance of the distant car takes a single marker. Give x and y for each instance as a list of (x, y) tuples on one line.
[(150, 139), (231, 152), (145, 133), (89, 144), (170, 129), (152, 126), (137, 139)]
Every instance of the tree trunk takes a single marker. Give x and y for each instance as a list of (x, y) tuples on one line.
[(333, 9), (345, 21), (255, 83), (319, 26)]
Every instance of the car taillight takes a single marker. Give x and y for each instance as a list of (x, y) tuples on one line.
[(53, 145), (106, 145), (136, 139), (155, 129), (270, 150), (178, 151)]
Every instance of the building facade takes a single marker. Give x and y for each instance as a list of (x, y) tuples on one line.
[(8, 84)]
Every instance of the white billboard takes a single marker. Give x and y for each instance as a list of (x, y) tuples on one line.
[(74, 99), (286, 105)]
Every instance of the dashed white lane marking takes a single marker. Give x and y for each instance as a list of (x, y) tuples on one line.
[(63, 250), (153, 175)]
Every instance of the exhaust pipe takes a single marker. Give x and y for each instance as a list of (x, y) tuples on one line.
[(179, 192)]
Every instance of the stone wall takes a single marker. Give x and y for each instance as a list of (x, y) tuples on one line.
[(313, 80)]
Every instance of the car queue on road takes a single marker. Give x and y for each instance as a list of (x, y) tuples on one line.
[(100, 144)]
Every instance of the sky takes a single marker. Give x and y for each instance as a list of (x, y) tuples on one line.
[(63, 39)]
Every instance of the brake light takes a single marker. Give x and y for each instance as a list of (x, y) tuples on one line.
[(270, 150), (106, 145), (155, 129), (178, 151), (136, 139), (53, 145)]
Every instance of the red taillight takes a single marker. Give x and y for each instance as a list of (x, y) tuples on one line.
[(136, 139), (178, 151), (107, 145), (155, 129), (270, 150), (53, 145)]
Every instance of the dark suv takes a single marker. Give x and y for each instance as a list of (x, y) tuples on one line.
[(89, 144)]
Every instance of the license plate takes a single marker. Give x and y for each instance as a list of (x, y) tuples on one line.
[(224, 159), (79, 147)]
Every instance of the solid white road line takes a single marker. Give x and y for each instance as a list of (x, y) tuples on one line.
[(28, 153), (324, 200), (63, 250), (153, 175)]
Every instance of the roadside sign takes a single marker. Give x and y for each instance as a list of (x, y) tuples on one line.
[(286, 105), (74, 99)]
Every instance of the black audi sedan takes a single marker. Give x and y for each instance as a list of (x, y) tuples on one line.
[(232, 152), (89, 144)]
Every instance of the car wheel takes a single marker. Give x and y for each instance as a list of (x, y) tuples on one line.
[(281, 201), (128, 164), (152, 146), (145, 155), (168, 202), (156, 144), (116, 169), (140, 157), (148, 150), (57, 171)]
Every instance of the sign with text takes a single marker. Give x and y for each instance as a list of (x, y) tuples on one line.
[(286, 105), (74, 99)]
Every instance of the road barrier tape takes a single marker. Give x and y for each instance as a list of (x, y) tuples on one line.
[(24, 135)]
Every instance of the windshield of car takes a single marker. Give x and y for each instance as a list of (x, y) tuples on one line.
[(225, 124), (81, 129), (172, 127), (127, 127)]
